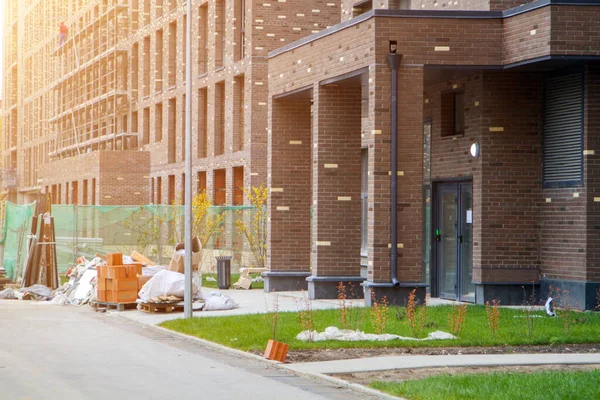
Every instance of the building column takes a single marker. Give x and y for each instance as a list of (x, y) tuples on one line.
[(410, 181), (336, 220), (289, 184)]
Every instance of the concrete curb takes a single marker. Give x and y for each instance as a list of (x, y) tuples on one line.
[(243, 354)]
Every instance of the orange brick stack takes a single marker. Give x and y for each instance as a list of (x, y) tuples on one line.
[(118, 283)]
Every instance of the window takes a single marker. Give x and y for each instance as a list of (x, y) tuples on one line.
[(364, 198), (219, 119), (171, 189), (238, 186), (219, 33), (172, 71), (202, 122), (238, 113), (220, 191), (203, 39), (563, 130), (453, 113), (172, 133), (158, 190), (158, 122), (201, 181), (158, 80), (146, 126), (362, 7)]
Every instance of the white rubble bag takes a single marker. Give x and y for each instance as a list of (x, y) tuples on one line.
[(216, 301), (347, 335), (165, 283)]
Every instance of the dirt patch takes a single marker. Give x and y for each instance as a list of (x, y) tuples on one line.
[(399, 375), (296, 356)]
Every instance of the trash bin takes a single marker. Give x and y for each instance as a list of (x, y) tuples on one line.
[(223, 272)]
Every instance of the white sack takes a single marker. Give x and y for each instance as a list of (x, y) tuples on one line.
[(85, 287), (216, 301), (164, 283), (151, 270), (347, 335)]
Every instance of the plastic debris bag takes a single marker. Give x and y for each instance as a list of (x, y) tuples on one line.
[(216, 301), (165, 283), (8, 294), (347, 335), (38, 292)]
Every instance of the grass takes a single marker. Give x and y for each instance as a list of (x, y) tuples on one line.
[(499, 386), (251, 332), (234, 279)]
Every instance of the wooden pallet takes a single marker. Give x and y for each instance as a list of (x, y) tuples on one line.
[(161, 307), (116, 306)]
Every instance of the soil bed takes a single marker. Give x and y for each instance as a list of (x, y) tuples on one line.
[(311, 355)]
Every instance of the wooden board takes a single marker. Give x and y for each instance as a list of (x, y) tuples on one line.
[(116, 306), (161, 307)]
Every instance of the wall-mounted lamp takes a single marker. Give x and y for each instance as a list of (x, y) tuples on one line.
[(393, 46), (474, 150)]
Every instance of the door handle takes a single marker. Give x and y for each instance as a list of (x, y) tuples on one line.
[(460, 238)]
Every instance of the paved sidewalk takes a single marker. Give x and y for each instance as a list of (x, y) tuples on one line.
[(409, 362), (250, 301)]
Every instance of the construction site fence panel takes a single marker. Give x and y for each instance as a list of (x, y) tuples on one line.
[(16, 227), (152, 230)]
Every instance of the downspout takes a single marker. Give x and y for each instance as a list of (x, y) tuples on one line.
[(394, 62)]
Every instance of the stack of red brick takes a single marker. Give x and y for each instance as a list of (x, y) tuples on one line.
[(118, 283)]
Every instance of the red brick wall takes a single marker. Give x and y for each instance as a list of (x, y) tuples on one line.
[(526, 35), (124, 176), (511, 177), (290, 185), (575, 30), (592, 170), (336, 180)]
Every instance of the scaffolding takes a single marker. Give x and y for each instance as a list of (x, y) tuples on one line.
[(91, 97)]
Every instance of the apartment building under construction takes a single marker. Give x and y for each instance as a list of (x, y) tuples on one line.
[(97, 116)]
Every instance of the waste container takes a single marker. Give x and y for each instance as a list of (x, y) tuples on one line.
[(223, 272)]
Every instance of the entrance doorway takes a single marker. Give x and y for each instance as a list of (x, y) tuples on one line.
[(453, 232)]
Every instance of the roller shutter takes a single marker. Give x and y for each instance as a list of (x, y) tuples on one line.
[(563, 130)]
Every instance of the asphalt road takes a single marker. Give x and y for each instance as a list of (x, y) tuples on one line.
[(53, 352)]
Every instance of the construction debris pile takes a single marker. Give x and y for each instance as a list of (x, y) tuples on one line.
[(118, 281)]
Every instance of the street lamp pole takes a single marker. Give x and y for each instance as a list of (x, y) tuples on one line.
[(187, 308)]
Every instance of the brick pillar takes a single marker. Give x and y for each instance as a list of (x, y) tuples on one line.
[(410, 182), (290, 194), (592, 182), (336, 189)]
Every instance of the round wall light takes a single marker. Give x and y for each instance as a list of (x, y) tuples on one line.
[(474, 150)]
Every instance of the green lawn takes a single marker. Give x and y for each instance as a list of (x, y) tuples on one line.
[(499, 386), (234, 279), (251, 332)]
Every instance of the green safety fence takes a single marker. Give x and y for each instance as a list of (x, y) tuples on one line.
[(152, 230), (16, 228)]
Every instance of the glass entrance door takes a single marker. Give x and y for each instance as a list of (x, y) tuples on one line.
[(454, 241)]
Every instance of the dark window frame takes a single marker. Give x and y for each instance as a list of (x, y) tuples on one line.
[(445, 95)]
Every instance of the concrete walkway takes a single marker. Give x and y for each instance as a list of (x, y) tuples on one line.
[(250, 302), (410, 362)]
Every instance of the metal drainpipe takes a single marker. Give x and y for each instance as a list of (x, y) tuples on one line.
[(394, 63)]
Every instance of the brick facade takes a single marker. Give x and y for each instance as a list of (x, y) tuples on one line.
[(519, 236)]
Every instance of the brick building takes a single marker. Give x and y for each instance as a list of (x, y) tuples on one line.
[(99, 118), (498, 180), (497, 120)]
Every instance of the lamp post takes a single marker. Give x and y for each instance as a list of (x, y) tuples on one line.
[(187, 301), (394, 62)]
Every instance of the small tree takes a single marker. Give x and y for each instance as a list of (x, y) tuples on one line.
[(256, 232)]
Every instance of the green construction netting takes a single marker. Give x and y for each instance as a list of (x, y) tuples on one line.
[(15, 229), (152, 230)]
